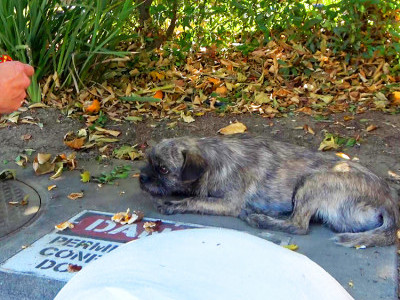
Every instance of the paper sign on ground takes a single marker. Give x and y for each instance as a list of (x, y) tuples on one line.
[(93, 235)]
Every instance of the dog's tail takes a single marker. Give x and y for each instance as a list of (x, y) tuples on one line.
[(383, 235)]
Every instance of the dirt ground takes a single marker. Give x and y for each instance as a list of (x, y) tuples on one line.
[(378, 149)]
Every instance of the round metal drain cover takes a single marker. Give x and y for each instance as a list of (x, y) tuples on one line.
[(13, 214)]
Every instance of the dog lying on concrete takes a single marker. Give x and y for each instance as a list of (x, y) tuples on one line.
[(272, 185)]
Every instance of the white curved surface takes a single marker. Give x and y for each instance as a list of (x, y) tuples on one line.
[(202, 264)]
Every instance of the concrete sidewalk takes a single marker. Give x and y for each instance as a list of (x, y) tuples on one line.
[(365, 273)]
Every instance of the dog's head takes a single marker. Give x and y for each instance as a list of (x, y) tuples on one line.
[(173, 167)]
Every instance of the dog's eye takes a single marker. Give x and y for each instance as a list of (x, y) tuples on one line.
[(163, 170)]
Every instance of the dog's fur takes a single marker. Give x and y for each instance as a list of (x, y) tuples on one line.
[(272, 185)]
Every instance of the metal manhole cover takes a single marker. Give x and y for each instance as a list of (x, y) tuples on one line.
[(13, 217)]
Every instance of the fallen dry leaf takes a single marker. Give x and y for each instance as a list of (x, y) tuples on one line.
[(38, 105), (292, 247), (233, 128), (187, 119), (159, 94), (59, 171), (24, 201), (127, 218), (74, 142), (348, 118), (308, 129), (93, 107), (152, 226), (43, 157), (371, 127), (342, 155), (64, 225), (222, 90), (50, 187), (396, 98), (26, 137), (74, 196), (109, 132), (45, 166), (73, 268)]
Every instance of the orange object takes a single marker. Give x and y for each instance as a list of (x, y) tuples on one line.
[(214, 81), (94, 107), (4, 58), (396, 98), (158, 95), (222, 90)]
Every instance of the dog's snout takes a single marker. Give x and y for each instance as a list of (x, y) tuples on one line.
[(144, 178)]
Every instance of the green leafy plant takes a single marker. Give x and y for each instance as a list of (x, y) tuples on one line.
[(66, 39), (118, 172)]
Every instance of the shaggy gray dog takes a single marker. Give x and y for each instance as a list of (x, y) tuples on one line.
[(272, 185)]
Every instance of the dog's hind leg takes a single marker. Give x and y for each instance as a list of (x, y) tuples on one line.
[(297, 223), (305, 207)]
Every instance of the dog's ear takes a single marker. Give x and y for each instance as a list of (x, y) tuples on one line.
[(193, 167)]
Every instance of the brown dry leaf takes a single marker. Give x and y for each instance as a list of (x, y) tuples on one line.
[(306, 110), (396, 98), (26, 137), (109, 132), (233, 128), (50, 187), (222, 90), (24, 201), (215, 81), (152, 226), (44, 167), (94, 107), (64, 225), (74, 196), (60, 167), (342, 155), (75, 143), (187, 119), (261, 98), (43, 157), (73, 268), (38, 105), (158, 95), (308, 129), (348, 118), (128, 218), (371, 128)]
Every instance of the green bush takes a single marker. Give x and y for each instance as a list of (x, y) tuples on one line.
[(354, 26), (65, 38)]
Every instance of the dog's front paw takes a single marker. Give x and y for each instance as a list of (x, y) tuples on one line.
[(170, 207), (164, 207)]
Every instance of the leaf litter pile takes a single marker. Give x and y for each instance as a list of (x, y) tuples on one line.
[(279, 79)]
